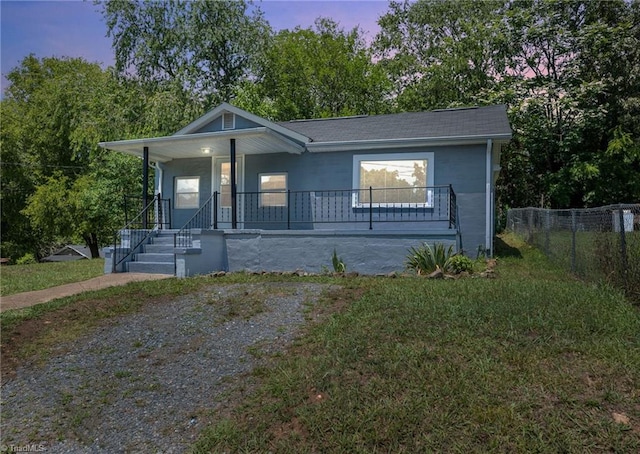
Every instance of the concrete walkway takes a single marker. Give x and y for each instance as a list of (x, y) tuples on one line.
[(26, 299)]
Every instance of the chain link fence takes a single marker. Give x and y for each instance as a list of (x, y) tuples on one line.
[(594, 243)]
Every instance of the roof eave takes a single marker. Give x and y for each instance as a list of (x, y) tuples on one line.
[(378, 144), (226, 107), (135, 146)]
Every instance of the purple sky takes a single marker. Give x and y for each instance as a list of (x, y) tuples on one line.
[(74, 28)]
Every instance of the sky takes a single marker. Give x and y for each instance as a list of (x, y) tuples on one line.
[(75, 28)]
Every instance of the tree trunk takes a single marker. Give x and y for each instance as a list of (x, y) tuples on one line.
[(91, 241)]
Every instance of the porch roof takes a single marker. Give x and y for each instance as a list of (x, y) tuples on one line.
[(258, 140)]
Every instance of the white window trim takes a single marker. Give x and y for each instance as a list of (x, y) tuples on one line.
[(175, 192), (358, 158), (284, 191)]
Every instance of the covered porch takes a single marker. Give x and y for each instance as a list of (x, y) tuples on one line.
[(369, 229)]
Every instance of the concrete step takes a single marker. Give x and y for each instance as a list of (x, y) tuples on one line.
[(158, 248), (157, 257), (151, 267), (162, 239)]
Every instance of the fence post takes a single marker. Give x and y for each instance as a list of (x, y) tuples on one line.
[(370, 208), (573, 241), (623, 244), (547, 232)]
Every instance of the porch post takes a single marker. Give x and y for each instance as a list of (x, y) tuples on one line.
[(234, 202), (145, 183)]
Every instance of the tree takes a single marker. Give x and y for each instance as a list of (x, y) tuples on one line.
[(438, 53), (44, 131), (89, 208), (322, 72), (573, 65), (567, 70), (55, 112), (205, 48)]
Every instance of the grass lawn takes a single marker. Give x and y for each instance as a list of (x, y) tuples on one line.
[(25, 278), (598, 256), (532, 361)]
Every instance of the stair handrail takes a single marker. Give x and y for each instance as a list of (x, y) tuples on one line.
[(115, 261), (201, 219)]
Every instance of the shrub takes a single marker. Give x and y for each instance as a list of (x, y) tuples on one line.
[(425, 260), (459, 264), (26, 259)]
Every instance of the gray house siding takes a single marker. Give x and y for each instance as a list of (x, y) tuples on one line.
[(216, 125), (195, 167), (463, 167)]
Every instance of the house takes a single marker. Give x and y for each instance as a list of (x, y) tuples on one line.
[(69, 253), (235, 191)]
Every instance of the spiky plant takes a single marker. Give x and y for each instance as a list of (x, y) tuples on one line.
[(338, 265), (425, 259)]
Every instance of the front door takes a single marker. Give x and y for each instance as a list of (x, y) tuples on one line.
[(222, 184)]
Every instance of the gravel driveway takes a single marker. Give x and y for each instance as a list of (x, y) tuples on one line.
[(147, 382)]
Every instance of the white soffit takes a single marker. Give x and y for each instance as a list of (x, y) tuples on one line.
[(248, 141)]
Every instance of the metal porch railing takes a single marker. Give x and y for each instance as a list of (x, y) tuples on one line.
[(203, 219), (160, 216), (350, 208), (156, 215)]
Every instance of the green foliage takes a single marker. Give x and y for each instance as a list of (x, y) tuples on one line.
[(57, 184), (438, 53), (568, 72), (322, 72), (89, 207), (48, 113), (27, 259), (425, 259), (205, 48), (338, 265), (459, 264)]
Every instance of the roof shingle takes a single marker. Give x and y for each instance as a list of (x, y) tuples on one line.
[(462, 122)]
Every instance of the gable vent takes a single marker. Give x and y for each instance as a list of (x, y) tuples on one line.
[(228, 121)]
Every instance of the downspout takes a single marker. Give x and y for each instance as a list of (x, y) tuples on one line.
[(488, 240)]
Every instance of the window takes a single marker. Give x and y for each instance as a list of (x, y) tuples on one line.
[(228, 121), (273, 189), (225, 184), (396, 179), (187, 192)]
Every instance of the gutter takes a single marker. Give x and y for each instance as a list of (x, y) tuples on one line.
[(320, 147)]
